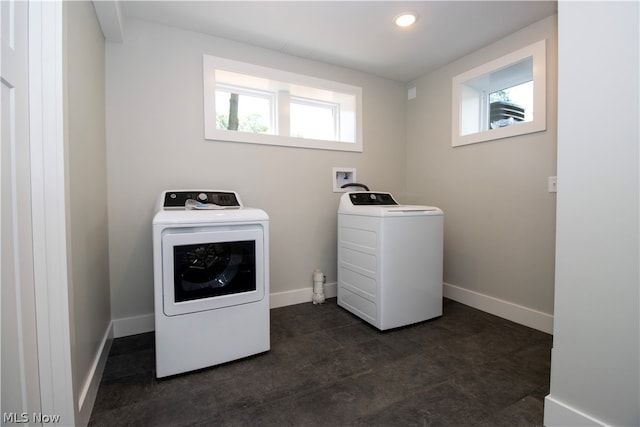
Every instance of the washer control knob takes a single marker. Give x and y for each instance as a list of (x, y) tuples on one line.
[(202, 197)]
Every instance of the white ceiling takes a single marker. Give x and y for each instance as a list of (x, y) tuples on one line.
[(353, 34)]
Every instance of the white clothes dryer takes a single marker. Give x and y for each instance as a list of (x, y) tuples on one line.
[(211, 280), (389, 259)]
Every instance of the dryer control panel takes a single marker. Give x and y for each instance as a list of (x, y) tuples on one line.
[(369, 198), (178, 199)]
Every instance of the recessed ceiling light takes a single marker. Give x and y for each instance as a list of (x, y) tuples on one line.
[(406, 19)]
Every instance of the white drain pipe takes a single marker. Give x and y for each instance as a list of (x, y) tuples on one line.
[(318, 286)]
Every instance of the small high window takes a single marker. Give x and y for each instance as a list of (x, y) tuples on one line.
[(249, 103), (502, 98)]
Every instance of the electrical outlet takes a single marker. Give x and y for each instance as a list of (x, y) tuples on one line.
[(553, 184), (341, 176)]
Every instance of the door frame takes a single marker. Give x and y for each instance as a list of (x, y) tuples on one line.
[(48, 189)]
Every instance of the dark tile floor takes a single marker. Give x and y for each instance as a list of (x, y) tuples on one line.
[(327, 367)]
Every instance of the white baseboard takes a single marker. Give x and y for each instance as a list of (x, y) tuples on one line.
[(90, 388), (146, 323), (133, 325), (505, 309), (299, 296), (559, 414)]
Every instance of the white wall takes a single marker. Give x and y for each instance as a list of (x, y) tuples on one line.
[(86, 205), (155, 142), (595, 378), (499, 216)]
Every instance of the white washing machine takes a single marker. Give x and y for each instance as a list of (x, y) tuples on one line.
[(211, 280), (389, 259)]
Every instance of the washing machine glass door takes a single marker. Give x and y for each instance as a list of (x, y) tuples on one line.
[(205, 270)]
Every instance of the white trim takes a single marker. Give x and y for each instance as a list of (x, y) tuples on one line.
[(48, 213), (516, 313), (133, 325), (538, 123), (92, 382), (507, 310), (110, 18), (275, 80), (557, 413), (299, 296)]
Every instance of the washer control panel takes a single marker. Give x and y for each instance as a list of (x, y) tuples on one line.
[(177, 199), (368, 198)]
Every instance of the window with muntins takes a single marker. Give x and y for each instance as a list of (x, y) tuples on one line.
[(254, 104)]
